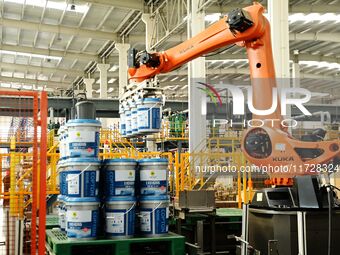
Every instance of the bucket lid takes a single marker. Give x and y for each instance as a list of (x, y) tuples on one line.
[(154, 198), (82, 160), (151, 99), (83, 121), (61, 197), (61, 161), (121, 199), (84, 102), (119, 160), (82, 200), (153, 160)]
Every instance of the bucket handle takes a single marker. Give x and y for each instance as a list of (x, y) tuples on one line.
[(153, 210), (75, 177), (134, 204)]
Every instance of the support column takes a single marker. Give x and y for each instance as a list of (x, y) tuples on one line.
[(103, 68), (150, 26), (103, 79), (278, 17), (149, 31), (122, 48), (197, 98), (296, 70), (51, 110), (88, 86)]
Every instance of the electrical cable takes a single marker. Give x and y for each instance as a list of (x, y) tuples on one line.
[(334, 187)]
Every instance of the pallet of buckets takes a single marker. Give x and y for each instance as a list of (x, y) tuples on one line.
[(117, 206)]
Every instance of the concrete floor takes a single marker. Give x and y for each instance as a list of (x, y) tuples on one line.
[(3, 230), (7, 229)]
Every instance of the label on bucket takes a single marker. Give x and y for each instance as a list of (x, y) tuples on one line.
[(73, 184), (145, 221), (82, 136), (83, 143), (149, 118), (120, 183), (118, 222), (156, 222), (153, 182), (79, 184), (143, 118), (81, 224), (115, 223)]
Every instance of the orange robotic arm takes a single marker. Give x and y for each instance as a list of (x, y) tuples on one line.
[(247, 27), (270, 145)]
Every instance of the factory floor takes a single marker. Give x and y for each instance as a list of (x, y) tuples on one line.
[(3, 229), (7, 231)]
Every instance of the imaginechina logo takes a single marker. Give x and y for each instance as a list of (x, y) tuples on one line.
[(300, 97)]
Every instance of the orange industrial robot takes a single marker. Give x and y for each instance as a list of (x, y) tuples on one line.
[(270, 145)]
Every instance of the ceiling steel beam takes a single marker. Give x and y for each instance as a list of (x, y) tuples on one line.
[(74, 31), (26, 81), (329, 37), (38, 69), (126, 4), (49, 52), (58, 29)]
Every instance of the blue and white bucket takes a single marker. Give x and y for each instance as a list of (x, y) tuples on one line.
[(61, 212), (154, 215), (120, 215), (134, 122), (153, 176), (80, 177), (83, 138), (82, 218), (120, 176), (128, 122), (149, 115), (122, 122)]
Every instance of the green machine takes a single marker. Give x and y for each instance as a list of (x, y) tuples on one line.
[(177, 124)]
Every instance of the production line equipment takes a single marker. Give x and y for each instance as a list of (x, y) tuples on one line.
[(280, 219)]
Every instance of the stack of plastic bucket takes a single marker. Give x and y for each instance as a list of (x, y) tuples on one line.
[(153, 199), (120, 200), (79, 179)]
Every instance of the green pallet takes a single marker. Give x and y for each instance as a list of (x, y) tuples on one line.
[(229, 212), (52, 221), (171, 244)]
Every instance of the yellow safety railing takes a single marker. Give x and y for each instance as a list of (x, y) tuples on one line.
[(50, 139), (183, 174), (112, 142)]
